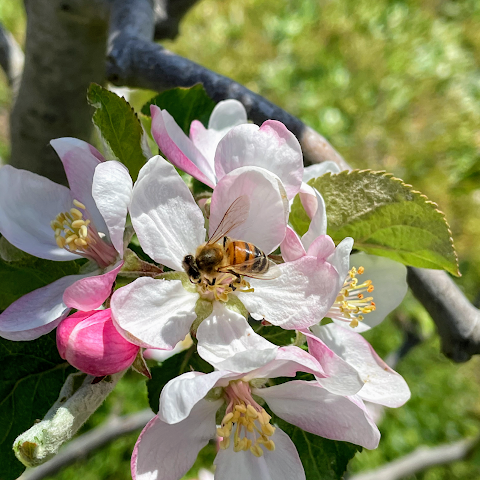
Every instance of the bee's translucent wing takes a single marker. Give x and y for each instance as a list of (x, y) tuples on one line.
[(236, 214), (272, 272)]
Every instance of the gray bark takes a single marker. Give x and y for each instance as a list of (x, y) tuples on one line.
[(65, 51)]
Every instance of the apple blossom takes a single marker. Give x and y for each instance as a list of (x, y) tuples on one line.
[(57, 223), (90, 342), (170, 225), (250, 446), (354, 300), (229, 143)]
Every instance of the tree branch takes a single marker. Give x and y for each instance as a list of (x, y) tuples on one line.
[(89, 442), (64, 51), (168, 14), (419, 460), (11, 58), (134, 60)]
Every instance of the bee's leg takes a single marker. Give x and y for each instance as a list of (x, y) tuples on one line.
[(211, 282), (238, 279)]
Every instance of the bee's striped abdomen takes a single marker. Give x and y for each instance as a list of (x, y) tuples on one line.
[(246, 257)]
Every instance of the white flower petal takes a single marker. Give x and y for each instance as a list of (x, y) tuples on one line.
[(167, 452), (319, 169), (266, 222), (228, 342), (281, 464), (112, 192), (180, 395), (313, 409), (299, 297), (272, 146), (28, 203), (318, 225), (168, 222), (389, 279), (341, 260), (37, 312), (226, 115), (80, 159), (288, 361), (154, 313), (381, 384)]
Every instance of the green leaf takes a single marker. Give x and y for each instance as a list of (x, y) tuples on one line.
[(31, 376), (182, 362), (322, 459), (385, 217), (119, 127), (184, 105), (276, 335), (28, 274)]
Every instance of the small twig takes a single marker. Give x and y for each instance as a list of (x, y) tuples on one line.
[(419, 460), (89, 442)]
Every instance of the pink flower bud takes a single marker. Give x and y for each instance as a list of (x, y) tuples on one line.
[(90, 342)]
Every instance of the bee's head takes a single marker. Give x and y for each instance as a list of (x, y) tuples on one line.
[(190, 267)]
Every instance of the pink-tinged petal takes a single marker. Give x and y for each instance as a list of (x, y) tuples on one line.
[(313, 409), (381, 384), (167, 452), (178, 148), (28, 203), (90, 342), (266, 222), (299, 297), (37, 312), (272, 146), (180, 395), (154, 313), (89, 293), (288, 361), (228, 342), (341, 260), (318, 225), (80, 159), (226, 115), (112, 192), (343, 378), (389, 279), (308, 198), (322, 247), (281, 464), (292, 247), (319, 169), (168, 222)]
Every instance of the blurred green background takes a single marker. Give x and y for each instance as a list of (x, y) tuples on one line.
[(393, 85)]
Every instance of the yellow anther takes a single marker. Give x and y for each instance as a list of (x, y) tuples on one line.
[(360, 270), (83, 232), (58, 231), (71, 238), (80, 242), (79, 204), (241, 408), (251, 412), (360, 296), (354, 323), (225, 443), (77, 214), (60, 241), (268, 429), (256, 450), (78, 223), (270, 445), (370, 289), (227, 417)]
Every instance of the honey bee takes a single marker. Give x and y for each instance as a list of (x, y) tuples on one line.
[(222, 254)]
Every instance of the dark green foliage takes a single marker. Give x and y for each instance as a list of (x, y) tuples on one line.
[(184, 105), (31, 376)]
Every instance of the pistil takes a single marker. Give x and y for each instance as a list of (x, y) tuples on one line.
[(351, 303), (78, 235), (246, 420), (221, 286)]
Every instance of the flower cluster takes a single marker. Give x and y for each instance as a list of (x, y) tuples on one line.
[(230, 265)]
